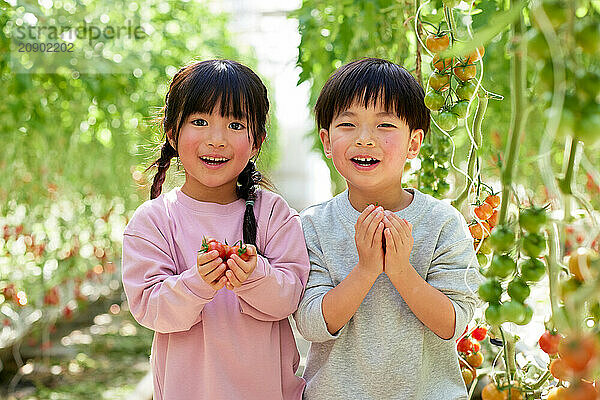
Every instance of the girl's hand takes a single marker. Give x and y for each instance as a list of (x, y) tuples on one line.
[(369, 240), (398, 244), (212, 269), (239, 270)]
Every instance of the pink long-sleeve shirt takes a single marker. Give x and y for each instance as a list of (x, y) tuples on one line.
[(216, 344)]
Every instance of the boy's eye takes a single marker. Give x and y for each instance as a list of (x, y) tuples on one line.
[(236, 126), (199, 122), (387, 125), (346, 124)]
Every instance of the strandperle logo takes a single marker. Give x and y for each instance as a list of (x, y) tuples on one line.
[(83, 30), (56, 45)]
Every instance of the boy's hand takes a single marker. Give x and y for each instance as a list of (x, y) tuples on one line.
[(239, 270), (399, 244), (212, 269), (369, 237)]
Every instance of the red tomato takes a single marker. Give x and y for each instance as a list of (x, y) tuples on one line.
[(476, 347), (549, 342), (210, 244), (242, 252), (484, 211), (436, 43), (493, 219), (493, 200), (479, 333), (464, 345)]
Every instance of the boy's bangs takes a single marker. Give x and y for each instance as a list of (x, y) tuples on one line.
[(370, 89)]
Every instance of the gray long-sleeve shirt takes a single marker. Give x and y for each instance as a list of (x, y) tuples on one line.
[(385, 351)]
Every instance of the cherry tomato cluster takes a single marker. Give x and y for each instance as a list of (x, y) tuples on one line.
[(451, 84), (225, 250), (434, 166), (573, 360), (503, 266), (470, 356)]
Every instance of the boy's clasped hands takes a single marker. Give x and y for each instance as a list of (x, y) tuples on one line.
[(384, 242), (231, 273)]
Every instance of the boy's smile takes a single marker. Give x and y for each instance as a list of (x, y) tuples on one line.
[(369, 147)]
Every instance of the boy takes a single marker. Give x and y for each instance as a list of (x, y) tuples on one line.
[(391, 286)]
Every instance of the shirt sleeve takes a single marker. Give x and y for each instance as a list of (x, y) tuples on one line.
[(309, 316), (160, 298), (454, 271), (273, 289)]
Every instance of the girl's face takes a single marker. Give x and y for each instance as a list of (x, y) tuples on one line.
[(213, 150)]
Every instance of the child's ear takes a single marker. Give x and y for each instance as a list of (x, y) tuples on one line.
[(414, 143), (324, 135), (171, 140)]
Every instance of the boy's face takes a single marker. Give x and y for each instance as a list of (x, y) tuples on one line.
[(369, 146)]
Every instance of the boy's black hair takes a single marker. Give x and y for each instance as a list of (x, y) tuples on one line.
[(234, 90), (368, 81)]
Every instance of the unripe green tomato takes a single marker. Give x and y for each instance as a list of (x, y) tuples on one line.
[(502, 238), (532, 218), (460, 109), (493, 314), (518, 290), (482, 259), (466, 91), (434, 100), (513, 311), (490, 291), (485, 247), (534, 244), (532, 270), (502, 266), (527, 317), (447, 121)]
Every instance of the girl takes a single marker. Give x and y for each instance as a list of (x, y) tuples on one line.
[(221, 327)]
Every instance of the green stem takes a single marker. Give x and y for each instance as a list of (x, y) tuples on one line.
[(481, 108), (519, 113), (566, 182), (450, 21), (509, 355), (418, 55), (554, 269)]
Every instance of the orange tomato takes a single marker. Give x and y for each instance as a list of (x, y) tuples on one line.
[(435, 43), (442, 64), (475, 359), (578, 351), (467, 376), (465, 72), (493, 219), (491, 392), (484, 211), (557, 393), (493, 200), (560, 370), (475, 55), (580, 261), (581, 390)]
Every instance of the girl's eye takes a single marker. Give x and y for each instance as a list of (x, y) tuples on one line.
[(346, 124), (386, 125), (236, 126), (199, 122)]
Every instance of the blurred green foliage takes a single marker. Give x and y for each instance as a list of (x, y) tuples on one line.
[(65, 129)]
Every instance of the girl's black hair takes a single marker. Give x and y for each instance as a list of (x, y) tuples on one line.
[(370, 80), (238, 92)]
